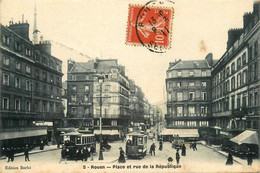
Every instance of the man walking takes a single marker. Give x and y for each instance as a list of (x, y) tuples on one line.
[(26, 153), (152, 149), (177, 156)]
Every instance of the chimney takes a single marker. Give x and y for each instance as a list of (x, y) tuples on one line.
[(44, 46), (209, 59), (70, 64), (247, 18), (233, 35), (21, 29)]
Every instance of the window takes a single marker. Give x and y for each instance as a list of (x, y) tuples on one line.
[(73, 98), (73, 110), (203, 96), (233, 83), (203, 84), (114, 123), (6, 61), (250, 100), (179, 96), (203, 73), (86, 111), (233, 68), (227, 72), (28, 86), (191, 95), (238, 80), (107, 87), (28, 69), (179, 73), (238, 63), (18, 65), (73, 77), (256, 70), (17, 82), (203, 110), (191, 73), (244, 80), (191, 109), (256, 48), (179, 84), (6, 79), (17, 46), (87, 77), (44, 75), (28, 106), (17, 104), (51, 79), (244, 58), (5, 103), (6, 40), (27, 52), (86, 98), (179, 110), (191, 84), (256, 99), (74, 88), (238, 101)]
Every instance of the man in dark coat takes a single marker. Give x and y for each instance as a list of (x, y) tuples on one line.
[(183, 150), (92, 151), (152, 149), (12, 154), (230, 159), (26, 153), (161, 145), (85, 153), (8, 154), (177, 157), (249, 159)]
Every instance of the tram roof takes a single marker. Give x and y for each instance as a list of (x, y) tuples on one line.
[(76, 134), (136, 134)]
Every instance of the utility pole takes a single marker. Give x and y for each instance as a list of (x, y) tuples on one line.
[(100, 123)]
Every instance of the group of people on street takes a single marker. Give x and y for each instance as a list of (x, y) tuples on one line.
[(194, 146), (230, 159), (77, 153), (10, 151)]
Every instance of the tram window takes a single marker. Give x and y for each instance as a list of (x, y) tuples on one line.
[(140, 141), (78, 140), (88, 140)]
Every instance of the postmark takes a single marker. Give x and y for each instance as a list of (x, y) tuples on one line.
[(150, 26)]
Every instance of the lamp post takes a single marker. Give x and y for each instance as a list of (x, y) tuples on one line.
[(100, 80)]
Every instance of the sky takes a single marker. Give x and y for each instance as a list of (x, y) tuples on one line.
[(98, 29)]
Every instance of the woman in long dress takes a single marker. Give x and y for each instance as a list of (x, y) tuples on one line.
[(122, 156)]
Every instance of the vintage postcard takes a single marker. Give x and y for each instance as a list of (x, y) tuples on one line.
[(129, 86)]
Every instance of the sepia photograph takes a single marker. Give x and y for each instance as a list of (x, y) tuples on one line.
[(129, 86)]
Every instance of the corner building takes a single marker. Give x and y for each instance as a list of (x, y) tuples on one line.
[(30, 89)]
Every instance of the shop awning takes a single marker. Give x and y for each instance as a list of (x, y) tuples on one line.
[(106, 132), (247, 137), (181, 132)]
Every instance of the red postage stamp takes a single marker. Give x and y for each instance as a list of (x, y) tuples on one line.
[(150, 27)]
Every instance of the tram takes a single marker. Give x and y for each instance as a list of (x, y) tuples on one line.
[(75, 142), (136, 145), (177, 142)]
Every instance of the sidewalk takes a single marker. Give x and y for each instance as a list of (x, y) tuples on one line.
[(35, 150), (235, 158)]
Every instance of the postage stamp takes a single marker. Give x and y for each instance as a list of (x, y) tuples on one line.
[(150, 27)]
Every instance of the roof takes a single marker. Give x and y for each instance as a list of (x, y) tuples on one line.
[(104, 65), (214, 62), (181, 132), (195, 64), (79, 67), (247, 137), (106, 132)]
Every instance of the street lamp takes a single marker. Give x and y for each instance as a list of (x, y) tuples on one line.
[(100, 80)]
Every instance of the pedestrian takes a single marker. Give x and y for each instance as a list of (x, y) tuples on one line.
[(92, 151), (12, 154), (41, 145), (195, 146), (8, 154), (26, 153), (161, 145), (121, 156), (177, 156), (63, 154), (249, 159), (183, 150), (152, 149), (230, 159), (85, 153), (79, 155)]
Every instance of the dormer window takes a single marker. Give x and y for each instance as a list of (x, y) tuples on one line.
[(191, 73)]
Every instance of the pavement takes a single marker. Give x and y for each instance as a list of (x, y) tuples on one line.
[(35, 151)]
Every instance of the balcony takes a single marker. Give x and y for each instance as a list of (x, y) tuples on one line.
[(80, 103)]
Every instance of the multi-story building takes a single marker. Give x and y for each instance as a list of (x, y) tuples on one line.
[(115, 97), (84, 90), (188, 86), (235, 79), (80, 94), (30, 88)]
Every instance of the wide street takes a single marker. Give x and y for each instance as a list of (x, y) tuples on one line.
[(203, 160)]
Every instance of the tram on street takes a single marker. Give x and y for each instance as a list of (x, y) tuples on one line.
[(75, 142), (136, 145), (177, 142)]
